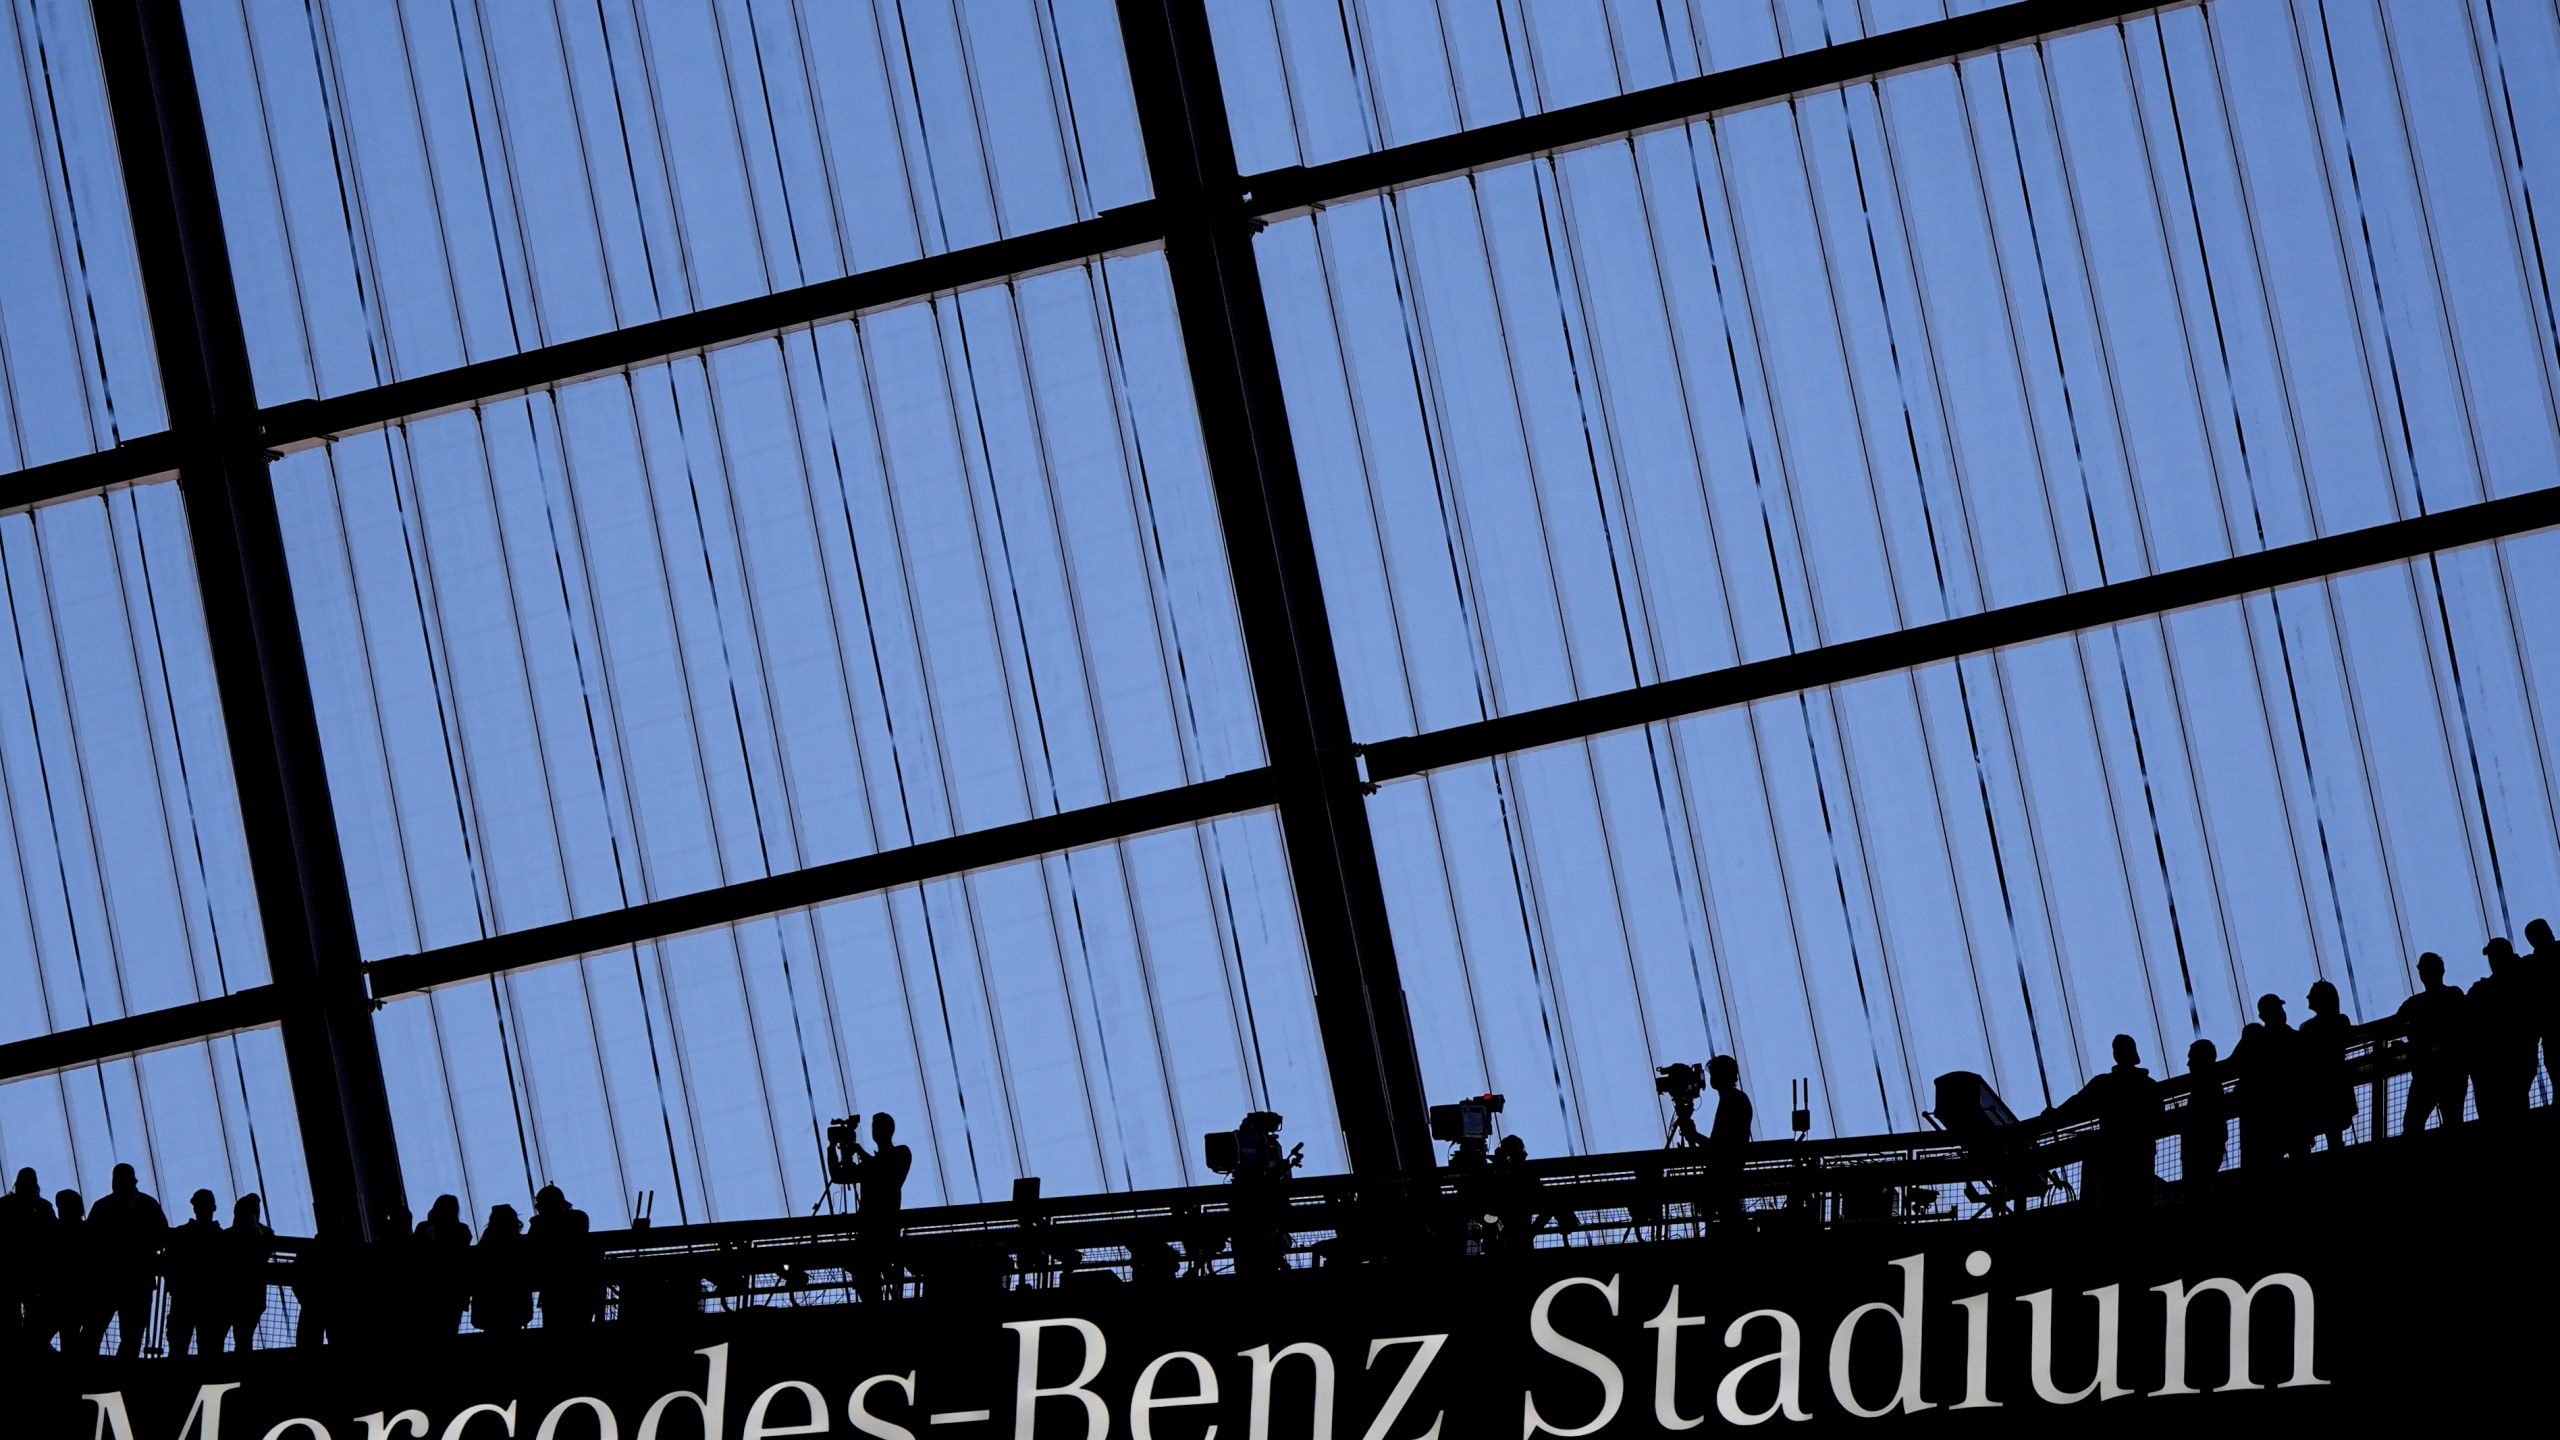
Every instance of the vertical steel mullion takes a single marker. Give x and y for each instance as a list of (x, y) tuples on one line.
[(331, 1057), (1235, 381)]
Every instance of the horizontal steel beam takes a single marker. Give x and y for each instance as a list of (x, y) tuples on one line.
[(1966, 635), (136, 461), (1280, 194), (1276, 194), (305, 423), (140, 1034), (818, 884)]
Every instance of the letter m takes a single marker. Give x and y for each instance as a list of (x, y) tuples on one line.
[(204, 1418), (2174, 1362)]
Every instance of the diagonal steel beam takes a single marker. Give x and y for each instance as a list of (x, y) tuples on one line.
[(1271, 195), (1965, 635), (141, 1033), (1296, 190), (818, 884)]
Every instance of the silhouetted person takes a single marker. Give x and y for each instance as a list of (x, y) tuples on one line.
[(1153, 1262), (501, 1281), (192, 1264), (440, 1251), (1727, 1136), (2502, 1034), (564, 1260), (2542, 987), (2125, 1101), (126, 1229), (881, 1172), (2328, 1092), (2439, 1071), (246, 1248), (74, 1307), (2269, 1062), (2204, 1126), (26, 1233)]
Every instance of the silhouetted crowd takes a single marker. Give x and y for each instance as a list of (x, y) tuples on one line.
[(2289, 1085), (73, 1268)]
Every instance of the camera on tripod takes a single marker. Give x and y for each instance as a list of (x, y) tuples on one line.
[(1251, 1151), (1683, 1083), (844, 1151), (1468, 1124)]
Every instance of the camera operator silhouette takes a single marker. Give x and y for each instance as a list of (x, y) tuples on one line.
[(126, 1227), (2439, 1067), (881, 1174), (1727, 1136), (1259, 1206), (2125, 1101)]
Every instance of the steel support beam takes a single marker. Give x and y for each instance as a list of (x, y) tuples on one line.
[(2020, 624), (139, 1034), (1279, 194), (254, 634), (1253, 467), (1273, 195), (818, 884)]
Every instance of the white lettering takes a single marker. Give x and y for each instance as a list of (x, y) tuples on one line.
[(463, 1420), (2040, 1348), (607, 1428), (858, 1408), (712, 1400), (1906, 1319), (1266, 1360), (816, 1404), (1977, 1339), (1426, 1348), (377, 1426), (312, 1429), (1144, 1402), (2174, 1373), (207, 1411), (1788, 1357), (1666, 1363), (1613, 1381), (1027, 1390)]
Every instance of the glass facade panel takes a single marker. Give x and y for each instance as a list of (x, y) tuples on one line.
[(2136, 299), (409, 185), (1995, 864), (949, 567), (1312, 80), (76, 368), (1084, 1017), (124, 882), (214, 1115)]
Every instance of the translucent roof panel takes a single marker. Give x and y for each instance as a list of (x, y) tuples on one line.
[(950, 567), (412, 185), (1083, 1017), (124, 879), (76, 368), (2143, 298), (214, 1115), (1311, 80), (1995, 864)]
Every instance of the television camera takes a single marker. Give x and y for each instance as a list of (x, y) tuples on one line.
[(1251, 1151), (1683, 1084), (1467, 1125), (844, 1151)]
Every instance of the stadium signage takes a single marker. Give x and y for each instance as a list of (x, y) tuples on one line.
[(1612, 1349)]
